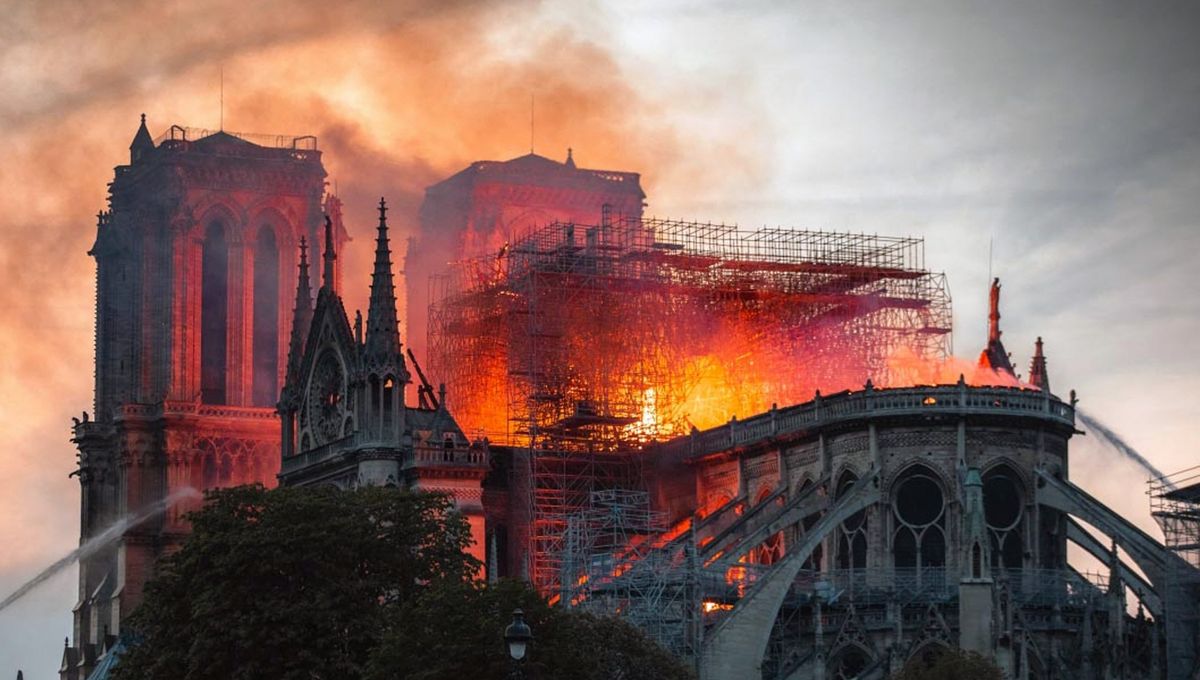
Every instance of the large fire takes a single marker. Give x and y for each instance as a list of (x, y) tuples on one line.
[(618, 334), (714, 377), (908, 369)]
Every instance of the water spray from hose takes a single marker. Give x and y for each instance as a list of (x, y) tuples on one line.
[(100, 541), (1116, 442)]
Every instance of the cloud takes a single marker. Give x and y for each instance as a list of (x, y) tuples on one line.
[(86, 54)]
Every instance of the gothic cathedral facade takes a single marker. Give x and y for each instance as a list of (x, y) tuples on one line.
[(194, 259), (346, 420)]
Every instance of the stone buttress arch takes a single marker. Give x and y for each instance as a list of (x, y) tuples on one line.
[(736, 647)]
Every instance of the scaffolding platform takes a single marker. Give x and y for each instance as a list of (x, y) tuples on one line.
[(1175, 505)]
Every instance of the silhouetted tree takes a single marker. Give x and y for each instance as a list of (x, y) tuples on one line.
[(457, 631), (291, 583), (372, 584), (951, 664)]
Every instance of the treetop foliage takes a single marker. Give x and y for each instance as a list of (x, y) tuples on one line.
[(457, 631), (371, 584), (950, 664), (291, 583)]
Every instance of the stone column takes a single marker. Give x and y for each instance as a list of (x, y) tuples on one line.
[(288, 246), (239, 369)]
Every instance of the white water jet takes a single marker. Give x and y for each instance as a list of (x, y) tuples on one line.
[(100, 541), (1116, 442)]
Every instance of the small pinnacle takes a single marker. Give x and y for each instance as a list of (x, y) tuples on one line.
[(330, 255)]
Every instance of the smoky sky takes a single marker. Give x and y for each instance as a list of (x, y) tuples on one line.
[(1062, 137)]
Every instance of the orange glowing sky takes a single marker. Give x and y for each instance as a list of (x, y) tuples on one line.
[(1076, 155)]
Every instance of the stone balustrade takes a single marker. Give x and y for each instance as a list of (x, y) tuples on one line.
[(432, 456), (951, 400)]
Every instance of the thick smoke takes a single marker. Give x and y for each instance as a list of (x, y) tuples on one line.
[(135, 46), (400, 94)]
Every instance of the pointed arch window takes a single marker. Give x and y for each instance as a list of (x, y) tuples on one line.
[(389, 401), (214, 314), (919, 522), (225, 475), (209, 477), (851, 546), (848, 663), (376, 396), (1003, 509), (769, 551), (265, 387), (813, 561)]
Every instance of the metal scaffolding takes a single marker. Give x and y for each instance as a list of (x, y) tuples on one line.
[(582, 343), (1175, 505), (616, 562)]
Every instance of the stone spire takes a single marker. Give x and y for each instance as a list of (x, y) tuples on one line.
[(994, 311), (142, 142), (976, 548), (1115, 584), (382, 342), (327, 280), (1116, 598), (994, 355), (1038, 377), (301, 317)]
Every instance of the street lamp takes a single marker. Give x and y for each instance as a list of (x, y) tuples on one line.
[(518, 636)]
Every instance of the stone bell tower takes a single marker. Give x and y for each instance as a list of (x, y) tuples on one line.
[(194, 265)]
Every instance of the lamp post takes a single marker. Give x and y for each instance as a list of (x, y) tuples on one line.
[(518, 636)]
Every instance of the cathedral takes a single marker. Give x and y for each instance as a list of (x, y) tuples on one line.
[(838, 537)]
